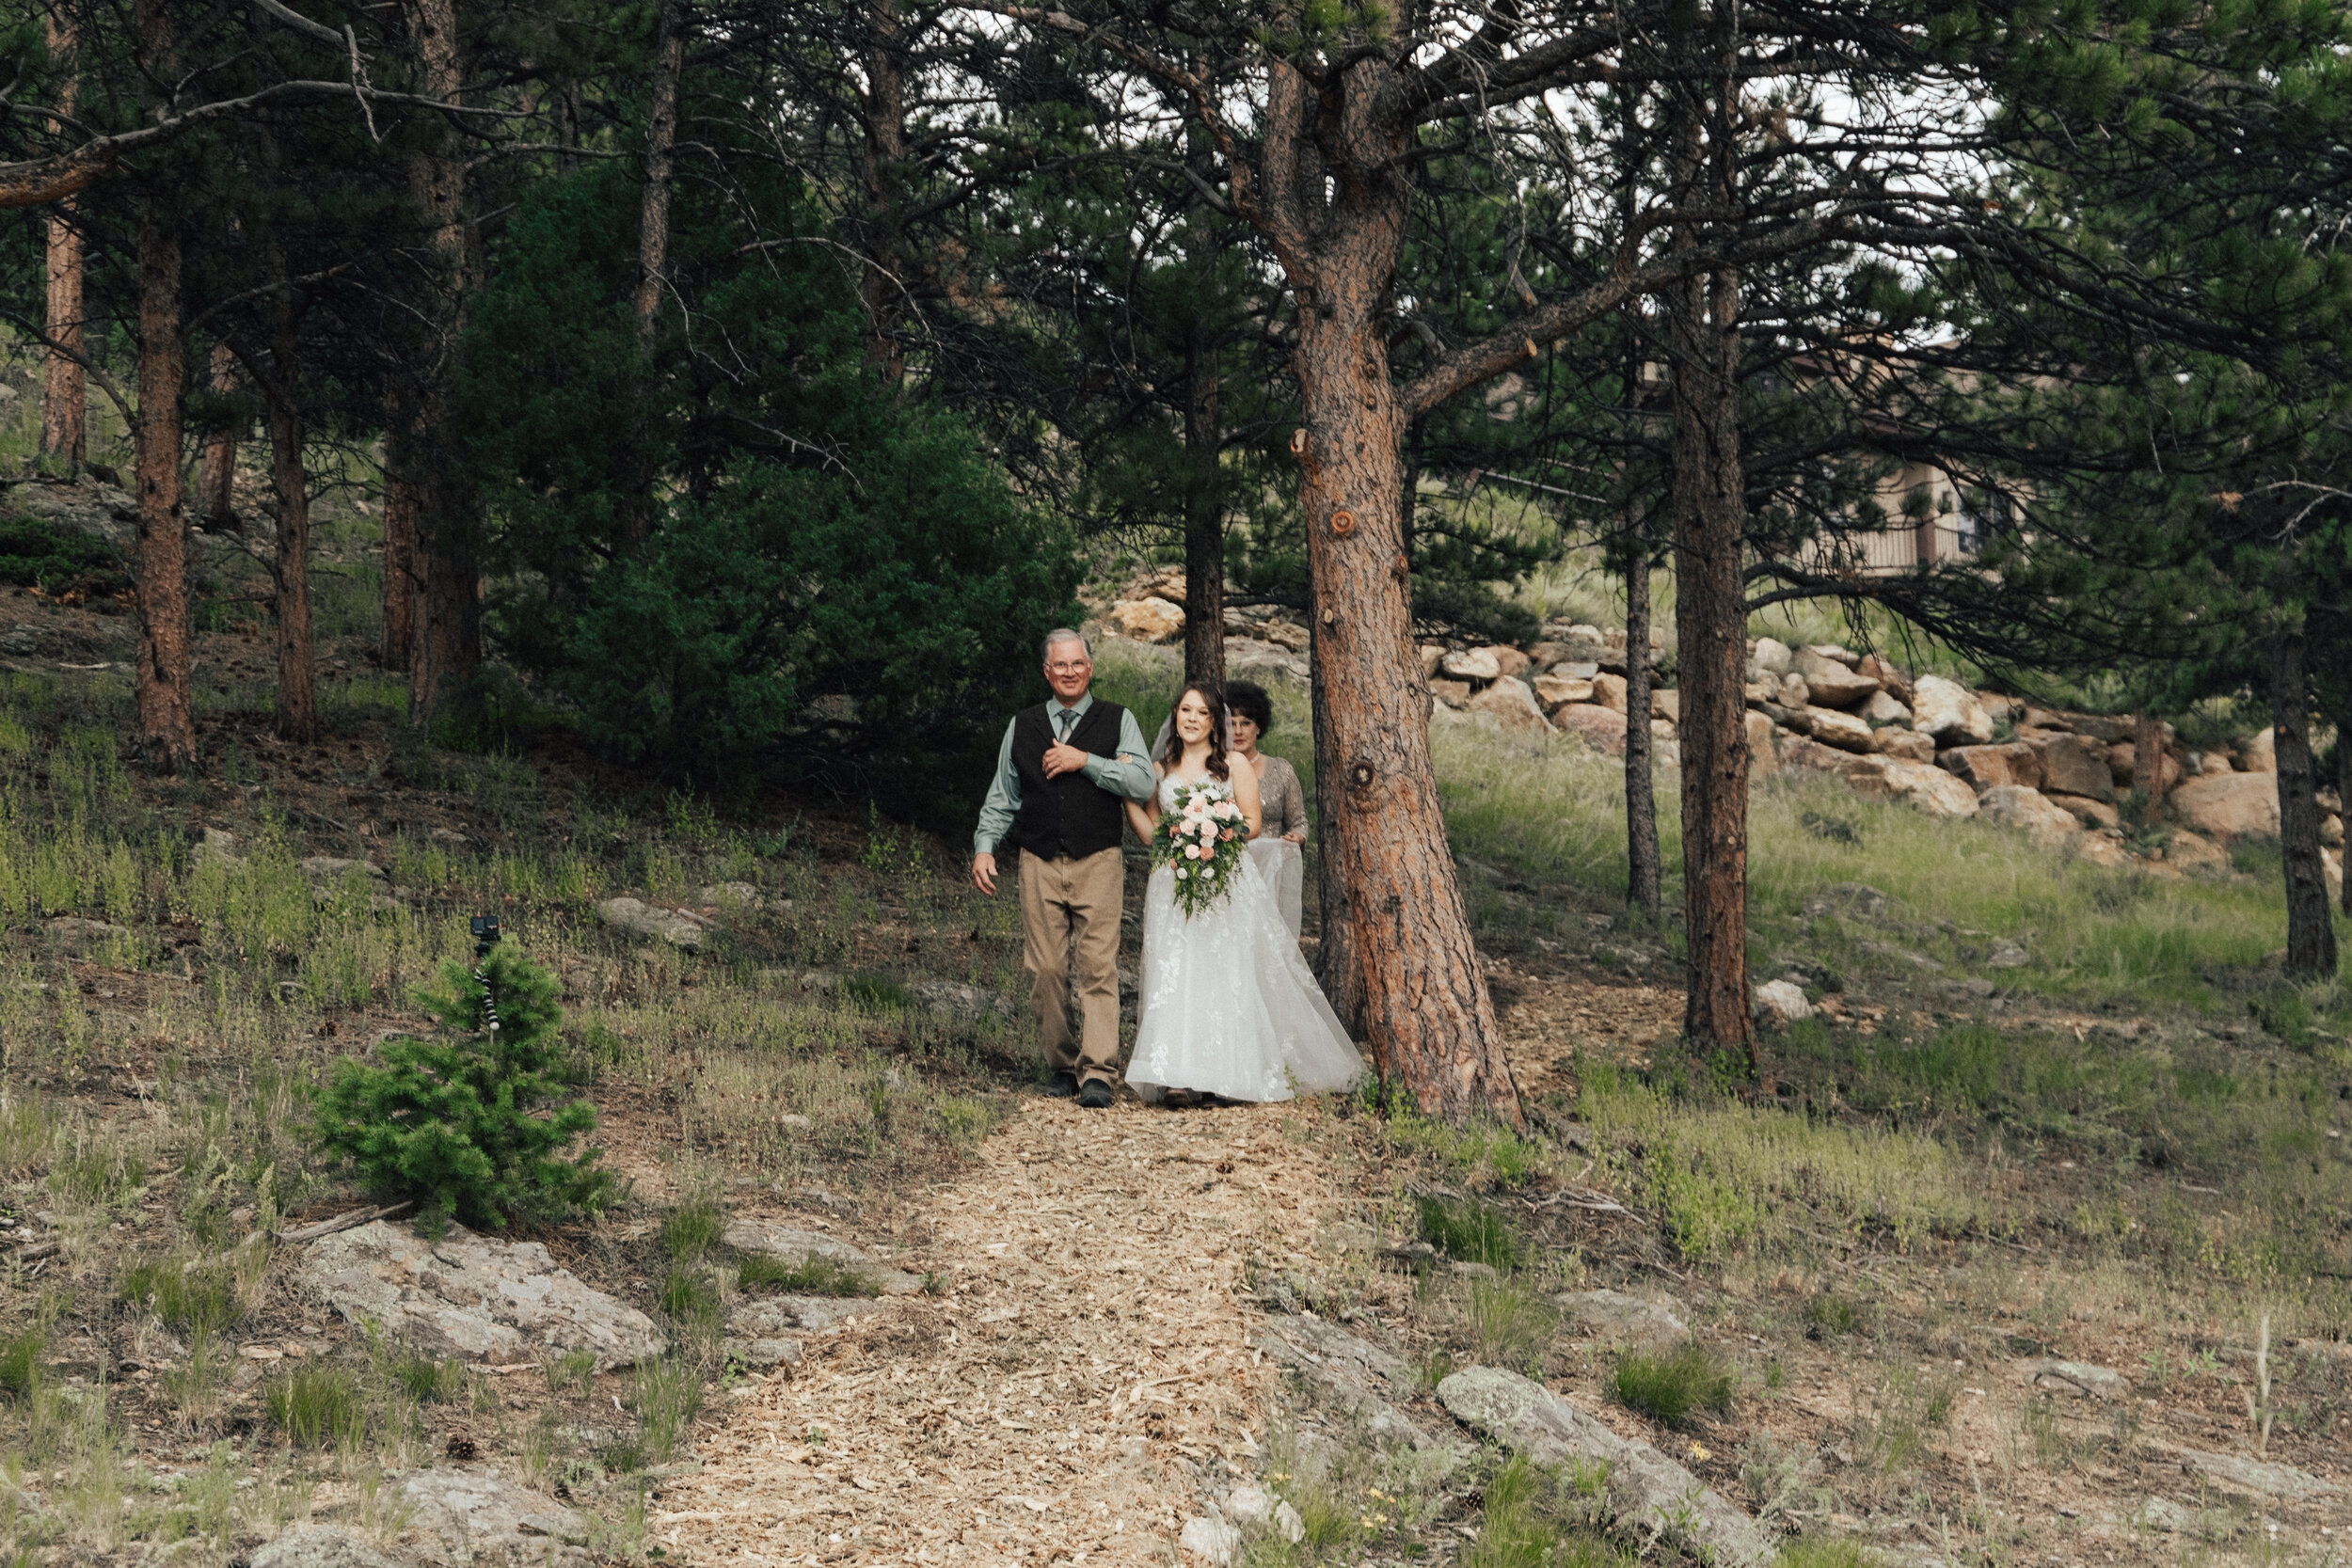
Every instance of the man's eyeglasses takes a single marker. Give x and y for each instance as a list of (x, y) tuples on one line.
[(1078, 669)]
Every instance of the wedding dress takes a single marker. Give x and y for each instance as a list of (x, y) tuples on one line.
[(1228, 1006)]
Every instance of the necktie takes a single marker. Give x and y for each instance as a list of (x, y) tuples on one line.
[(1065, 719)]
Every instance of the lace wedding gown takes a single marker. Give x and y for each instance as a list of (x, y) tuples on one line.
[(1228, 1006)]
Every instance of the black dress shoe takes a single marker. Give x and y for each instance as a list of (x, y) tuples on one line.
[(1062, 1084), (1095, 1096)]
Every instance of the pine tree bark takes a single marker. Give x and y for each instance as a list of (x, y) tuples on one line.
[(64, 395), (2147, 763), (2343, 805), (445, 652), (1642, 870), (653, 253), (882, 121), (166, 735), (297, 659), (1711, 627), (1204, 510), (2311, 926), (216, 469)]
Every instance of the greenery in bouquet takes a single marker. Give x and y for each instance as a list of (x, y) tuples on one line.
[(1202, 841)]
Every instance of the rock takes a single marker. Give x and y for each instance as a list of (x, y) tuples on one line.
[(2331, 831), (1509, 700), (1616, 1317), (2006, 954), (1357, 1376), (468, 1296), (2210, 763), (1647, 1494), (1666, 705), (1212, 1540), (2256, 1476), (2103, 848), (1551, 691), (2161, 1514), (2227, 807), (1780, 1002), (1432, 654), (218, 844), (1287, 636), (2189, 852), (1848, 900), (2077, 1377), (1797, 751), (1906, 746), (468, 1518), (731, 895), (1794, 691), (1925, 788), (964, 1005), (2089, 813), (760, 1354), (1608, 691), (2104, 728), (1944, 709), (1883, 709), (1773, 656), (1845, 659), (327, 868), (1991, 767), (639, 919), (779, 1317), (1472, 664), (1453, 694), (85, 506), (1599, 727), (1251, 1506), (1897, 684), (2075, 765), (1149, 620), (1841, 730), (1508, 661), (1544, 655), (1763, 756), (1834, 685), (2013, 806), (788, 1242), (319, 1548), (2260, 751)]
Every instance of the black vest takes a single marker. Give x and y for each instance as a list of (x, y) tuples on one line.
[(1072, 814)]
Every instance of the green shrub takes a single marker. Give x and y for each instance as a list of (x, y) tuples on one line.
[(1470, 1231), (692, 1228), (37, 555), (1669, 1388), (1830, 1313), (315, 1407), (189, 1299), (455, 1123), (21, 1364), (813, 1276)]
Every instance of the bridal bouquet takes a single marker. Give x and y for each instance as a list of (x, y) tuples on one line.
[(1202, 839)]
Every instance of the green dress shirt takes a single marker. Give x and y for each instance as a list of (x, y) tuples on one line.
[(1129, 775)]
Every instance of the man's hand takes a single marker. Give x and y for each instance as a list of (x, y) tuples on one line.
[(984, 873), (1296, 835), (1063, 759)]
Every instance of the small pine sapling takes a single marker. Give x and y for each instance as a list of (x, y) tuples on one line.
[(454, 1122)]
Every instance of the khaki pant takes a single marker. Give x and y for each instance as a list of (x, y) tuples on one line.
[(1071, 907)]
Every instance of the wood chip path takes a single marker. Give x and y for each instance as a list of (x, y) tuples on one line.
[(1068, 1396)]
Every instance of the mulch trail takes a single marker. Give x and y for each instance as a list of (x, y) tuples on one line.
[(1085, 1369)]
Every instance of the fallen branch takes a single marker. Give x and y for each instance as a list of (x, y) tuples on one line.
[(341, 1221)]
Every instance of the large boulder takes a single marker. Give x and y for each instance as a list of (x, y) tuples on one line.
[(1152, 619), (1991, 767), (2229, 805), (1798, 752), (1509, 700), (1780, 1002), (321, 1546), (1472, 664), (1927, 788), (465, 1517), (1555, 688), (1833, 728), (1773, 656), (2260, 753), (2083, 809), (1621, 1319), (1897, 684), (1884, 708), (502, 1302), (2075, 765), (2031, 812), (1666, 705), (793, 1244), (1944, 709), (1834, 686), (640, 919), (1905, 745), (2123, 766), (1359, 1377), (1508, 661), (1647, 1495), (1451, 693), (2190, 852), (1795, 692), (1608, 691), (1599, 727)]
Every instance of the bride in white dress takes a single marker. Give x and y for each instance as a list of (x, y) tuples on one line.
[(1228, 1006)]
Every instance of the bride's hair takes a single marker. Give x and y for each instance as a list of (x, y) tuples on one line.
[(1213, 695)]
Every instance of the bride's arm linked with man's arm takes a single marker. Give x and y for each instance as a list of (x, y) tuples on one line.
[(1128, 774)]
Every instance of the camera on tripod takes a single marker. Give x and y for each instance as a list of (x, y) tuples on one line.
[(486, 936), (486, 933)]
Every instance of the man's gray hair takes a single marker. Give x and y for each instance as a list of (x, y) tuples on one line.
[(1064, 634)]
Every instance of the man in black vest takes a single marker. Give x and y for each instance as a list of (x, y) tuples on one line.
[(1063, 777)]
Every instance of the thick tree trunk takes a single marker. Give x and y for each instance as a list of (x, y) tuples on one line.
[(653, 257), (2344, 804), (216, 469), (884, 111), (64, 396), (1642, 871), (2148, 763), (1339, 967), (297, 661), (166, 730), (1711, 631), (1204, 510), (445, 652), (2310, 925)]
